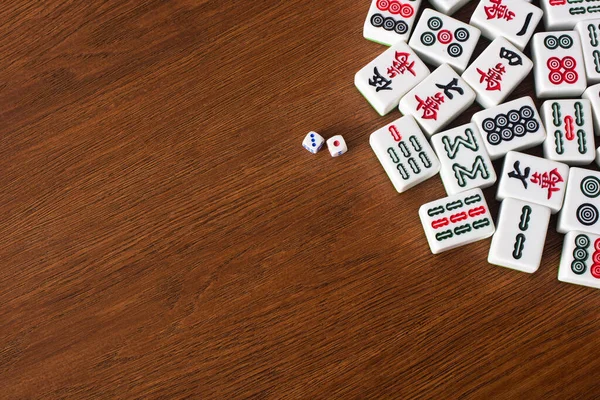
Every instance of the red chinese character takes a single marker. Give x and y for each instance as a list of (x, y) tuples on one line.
[(548, 180), (430, 105), (493, 77), (498, 11), (401, 65)]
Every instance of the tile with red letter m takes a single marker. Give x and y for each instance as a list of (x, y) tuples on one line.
[(457, 220)]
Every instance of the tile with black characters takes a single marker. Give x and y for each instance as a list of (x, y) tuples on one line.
[(438, 99), (464, 161), (456, 220), (589, 33), (564, 14), (580, 259), (514, 125), (592, 94), (440, 39), (581, 209), (520, 235), (570, 131), (514, 20), (534, 180), (558, 64), (498, 71), (404, 153), (390, 76), (390, 21)]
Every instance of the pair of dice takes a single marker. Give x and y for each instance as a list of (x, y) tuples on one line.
[(336, 145)]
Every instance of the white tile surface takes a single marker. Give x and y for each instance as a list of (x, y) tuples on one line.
[(580, 259)]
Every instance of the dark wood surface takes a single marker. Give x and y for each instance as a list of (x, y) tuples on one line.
[(164, 234)]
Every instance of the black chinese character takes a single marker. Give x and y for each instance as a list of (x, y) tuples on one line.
[(453, 85), (380, 82), (517, 173), (512, 57)]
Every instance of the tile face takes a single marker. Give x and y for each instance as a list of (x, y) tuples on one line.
[(570, 131), (390, 76), (513, 19), (534, 180), (559, 68), (515, 125), (564, 14), (438, 99), (580, 210), (456, 220), (440, 39), (404, 153), (448, 7), (499, 69), (593, 95), (580, 259), (520, 235), (589, 33), (313, 142), (464, 162), (336, 145), (390, 21)]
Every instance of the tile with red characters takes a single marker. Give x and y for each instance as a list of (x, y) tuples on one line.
[(439, 39), (580, 259), (438, 99), (390, 76), (559, 67), (497, 72), (389, 21), (515, 20), (564, 14), (533, 179), (404, 153)]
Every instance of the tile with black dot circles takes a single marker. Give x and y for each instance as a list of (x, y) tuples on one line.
[(581, 208), (580, 259), (390, 21)]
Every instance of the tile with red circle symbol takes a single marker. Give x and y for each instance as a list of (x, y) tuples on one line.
[(581, 208), (448, 7), (514, 20), (559, 69), (389, 21), (570, 131), (456, 220), (440, 39), (580, 259), (498, 71)]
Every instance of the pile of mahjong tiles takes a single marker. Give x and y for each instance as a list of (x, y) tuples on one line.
[(415, 147)]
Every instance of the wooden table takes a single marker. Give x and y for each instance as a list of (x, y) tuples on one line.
[(164, 234)]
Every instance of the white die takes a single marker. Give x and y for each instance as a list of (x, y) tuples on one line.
[(581, 209), (513, 19), (497, 72), (589, 34), (593, 95), (313, 142), (580, 259), (404, 153), (520, 235), (457, 220), (440, 39), (336, 145), (534, 180), (390, 21), (515, 125), (438, 99), (558, 64), (448, 7), (570, 131), (464, 162), (390, 76), (564, 14)]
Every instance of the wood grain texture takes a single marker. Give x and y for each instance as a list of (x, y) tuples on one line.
[(164, 235)]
